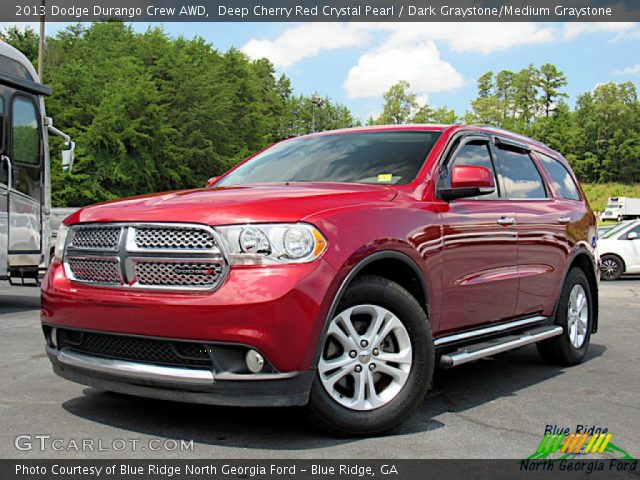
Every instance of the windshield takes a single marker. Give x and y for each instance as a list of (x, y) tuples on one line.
[(613, 205), (364, 157), (616, 229)]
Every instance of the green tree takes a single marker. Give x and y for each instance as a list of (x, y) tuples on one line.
[(399, 104), (550, 81), (26, 40)]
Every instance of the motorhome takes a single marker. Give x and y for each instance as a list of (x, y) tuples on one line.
[(25, 174)]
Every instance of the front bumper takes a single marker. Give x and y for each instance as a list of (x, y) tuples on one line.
[(182, 384), (278, 310)]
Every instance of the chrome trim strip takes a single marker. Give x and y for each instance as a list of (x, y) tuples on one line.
[(459, 358), (488, 330), (225, 376), (147, 371), (143, 371)]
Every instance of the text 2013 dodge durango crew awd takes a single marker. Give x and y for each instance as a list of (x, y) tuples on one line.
[(334, 270)]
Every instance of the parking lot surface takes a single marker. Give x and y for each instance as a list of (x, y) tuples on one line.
[(494, 408)]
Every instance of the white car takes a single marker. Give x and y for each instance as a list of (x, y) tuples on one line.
[(619, 250)]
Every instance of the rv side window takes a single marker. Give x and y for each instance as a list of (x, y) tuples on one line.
[(25, 132)]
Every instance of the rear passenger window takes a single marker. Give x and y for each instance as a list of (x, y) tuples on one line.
[(520, 176), (475, 153), (563, 183)]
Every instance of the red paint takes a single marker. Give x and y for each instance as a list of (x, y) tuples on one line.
[(470, 176), (475, 270)]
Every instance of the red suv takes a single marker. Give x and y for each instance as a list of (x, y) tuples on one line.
[(334, 270)]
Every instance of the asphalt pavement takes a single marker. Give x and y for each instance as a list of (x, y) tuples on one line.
[(494, 408)]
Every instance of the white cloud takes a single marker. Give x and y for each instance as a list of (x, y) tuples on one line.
[(420, 65), (409, 51), (472, 37), (573, 29), (307, 40), (633, 70)]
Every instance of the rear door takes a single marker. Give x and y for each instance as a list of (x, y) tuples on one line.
[(542, 223), (25, 197), (479, 278)]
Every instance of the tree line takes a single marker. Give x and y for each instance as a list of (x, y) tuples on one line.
[(600, 137), (150, 112)]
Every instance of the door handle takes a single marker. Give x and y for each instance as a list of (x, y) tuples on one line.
[(564, 220), (4, 158), (506, 221)]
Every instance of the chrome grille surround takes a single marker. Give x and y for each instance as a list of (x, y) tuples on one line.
[(105, 270), (186, 238), (97, 238), (147, 256)]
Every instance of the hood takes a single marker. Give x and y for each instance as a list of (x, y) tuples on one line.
[(239, 204)]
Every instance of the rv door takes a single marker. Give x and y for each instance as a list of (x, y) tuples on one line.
[(25, 194)]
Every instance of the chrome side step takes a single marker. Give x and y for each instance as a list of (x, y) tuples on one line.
[(491, 330), (499, 345)]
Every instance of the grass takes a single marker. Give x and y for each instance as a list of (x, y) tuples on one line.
[(599, 193)]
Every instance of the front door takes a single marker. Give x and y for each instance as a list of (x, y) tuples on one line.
[(479, 279), (25, 195)]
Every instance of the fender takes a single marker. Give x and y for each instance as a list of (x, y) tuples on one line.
[(380, 255), (581, 250)]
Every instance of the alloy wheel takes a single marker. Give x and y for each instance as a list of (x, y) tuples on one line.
[(577, 316), (610, 268), (367, 357)]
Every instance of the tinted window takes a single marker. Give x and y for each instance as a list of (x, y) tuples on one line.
[(519, 175), (10, 67), (25, 132), (563, 183), (474, 153), (371, 157)]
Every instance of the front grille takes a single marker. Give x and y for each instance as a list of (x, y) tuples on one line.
[(121, 347), (151, 256), (95, 270), (96, 238), (183, 238), (186, 274)]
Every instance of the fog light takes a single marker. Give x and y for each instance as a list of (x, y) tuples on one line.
[(254, 361), (53, 337)]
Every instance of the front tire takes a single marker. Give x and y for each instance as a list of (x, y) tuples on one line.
[(575, 315), (376, 363)]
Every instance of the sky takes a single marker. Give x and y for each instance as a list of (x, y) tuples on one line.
[(354, 63)]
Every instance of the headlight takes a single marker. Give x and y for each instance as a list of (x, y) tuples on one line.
[(61, 240), (272, 243)]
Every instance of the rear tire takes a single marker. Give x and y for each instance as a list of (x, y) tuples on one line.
[(611, 267), (575, 316), (396, 367)]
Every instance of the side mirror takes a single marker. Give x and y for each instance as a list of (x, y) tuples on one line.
[(211, 182), (68, 156), (632, 236), (469, 181)]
